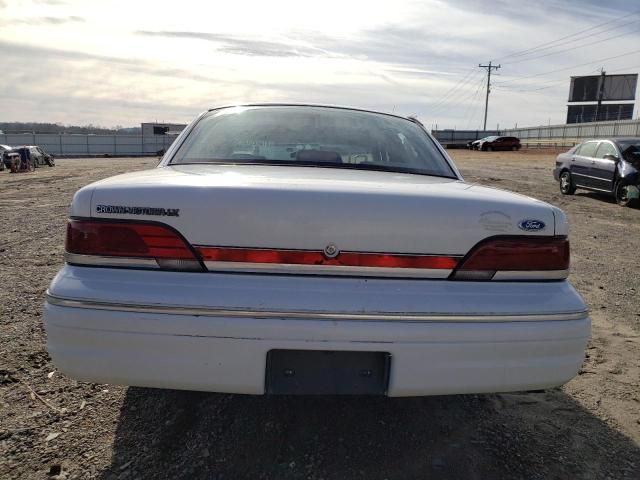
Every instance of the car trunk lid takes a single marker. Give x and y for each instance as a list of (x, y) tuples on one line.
[(314, 209)]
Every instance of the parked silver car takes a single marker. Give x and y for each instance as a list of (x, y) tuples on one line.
[(29, 154), (610, 165), (3, 149)]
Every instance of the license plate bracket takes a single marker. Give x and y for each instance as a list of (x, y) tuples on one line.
[(327, 372)]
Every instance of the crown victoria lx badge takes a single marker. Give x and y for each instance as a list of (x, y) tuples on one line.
[(530, 225), (126, 210)]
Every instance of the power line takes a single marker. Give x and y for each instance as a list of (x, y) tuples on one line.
[(452, 100), (591, 35), (521, 90), (515, 87), (474, 96), (475, 105), (471, 98), (542, 46), (574, 47), (445, 98), (556, 81), (625, 69), (456, 86), (567, 68)]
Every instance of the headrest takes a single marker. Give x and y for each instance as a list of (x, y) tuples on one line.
[(318, 156)]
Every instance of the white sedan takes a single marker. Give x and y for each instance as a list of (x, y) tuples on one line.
[(290, 249)]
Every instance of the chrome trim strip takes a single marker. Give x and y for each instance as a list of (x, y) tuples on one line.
[(591, 176), (103, 261), (587, 176), (586, 187), (531, 275), (311, 315), (246, 267)]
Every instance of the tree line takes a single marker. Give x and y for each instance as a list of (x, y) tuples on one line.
[(39, 127)]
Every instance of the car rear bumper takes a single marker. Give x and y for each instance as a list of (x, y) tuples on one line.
[(104, 335)]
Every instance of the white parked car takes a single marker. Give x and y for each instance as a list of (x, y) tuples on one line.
[(289, 249)]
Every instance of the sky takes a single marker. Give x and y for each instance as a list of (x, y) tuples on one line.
[(121, 62)]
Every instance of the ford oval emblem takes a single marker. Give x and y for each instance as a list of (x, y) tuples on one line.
[(530, 225)]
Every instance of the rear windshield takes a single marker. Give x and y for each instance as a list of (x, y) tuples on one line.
[(312, 136)]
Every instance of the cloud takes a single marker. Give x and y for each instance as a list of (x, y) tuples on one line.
[(590, 10), (89, 88), (43, 20), (419, 73), (242, 46), (123, 65), (416, 46), (39, 53), (57, 20), (398, 45)]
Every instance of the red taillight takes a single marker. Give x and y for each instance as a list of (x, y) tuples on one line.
[(130, 240), (516, 258), (310, 257)]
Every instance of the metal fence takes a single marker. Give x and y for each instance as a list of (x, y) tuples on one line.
[(569, 135), (545, 136), (91, 145)]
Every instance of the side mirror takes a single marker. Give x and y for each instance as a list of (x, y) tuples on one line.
[(609, 156)]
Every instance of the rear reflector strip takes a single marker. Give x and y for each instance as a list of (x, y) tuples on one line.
[(310, 257)]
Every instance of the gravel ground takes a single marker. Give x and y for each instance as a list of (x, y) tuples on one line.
[(53, 426)]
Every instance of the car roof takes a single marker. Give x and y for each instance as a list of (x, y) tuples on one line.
[(613, 139), (313, 105), (625, 139)]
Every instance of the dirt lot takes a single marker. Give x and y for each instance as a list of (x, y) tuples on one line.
[(590, 428)]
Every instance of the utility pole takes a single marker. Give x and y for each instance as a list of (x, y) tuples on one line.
[(603, 74), (486, 101)]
